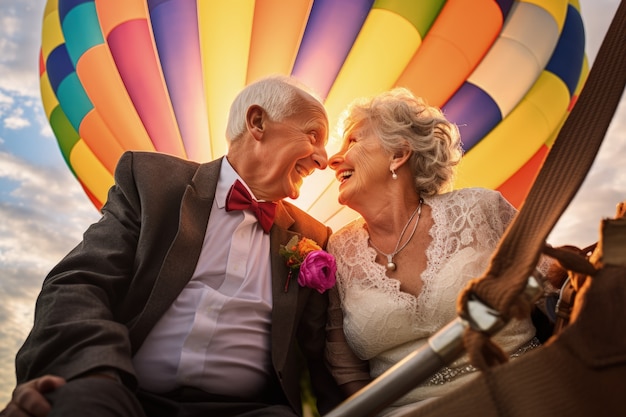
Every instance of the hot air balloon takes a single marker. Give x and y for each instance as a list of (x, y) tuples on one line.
[(159, 75)]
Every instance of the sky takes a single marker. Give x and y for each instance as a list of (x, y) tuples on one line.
[(44, 211)]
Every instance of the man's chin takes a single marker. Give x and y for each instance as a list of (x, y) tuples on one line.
[(295, 189), (295, 193)]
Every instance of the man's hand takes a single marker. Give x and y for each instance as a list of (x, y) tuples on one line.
[(28, 399)]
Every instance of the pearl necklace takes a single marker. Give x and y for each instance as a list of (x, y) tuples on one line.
[(391, 265)]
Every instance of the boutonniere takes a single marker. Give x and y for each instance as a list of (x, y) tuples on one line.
[(315, 267)]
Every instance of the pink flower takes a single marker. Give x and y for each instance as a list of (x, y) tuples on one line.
[(318, 271), (315, 268)]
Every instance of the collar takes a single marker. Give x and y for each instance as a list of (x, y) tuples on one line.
[(227, 177)]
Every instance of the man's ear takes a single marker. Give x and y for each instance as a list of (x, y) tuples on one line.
[(255, 121)]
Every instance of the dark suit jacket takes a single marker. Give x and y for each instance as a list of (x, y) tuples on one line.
[(99, 303)]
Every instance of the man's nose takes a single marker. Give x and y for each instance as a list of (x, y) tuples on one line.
[(321, 159)]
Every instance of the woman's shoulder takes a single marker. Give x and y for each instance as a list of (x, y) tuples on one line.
[(347, 231), (468, 196), (471, 202), (476, 193)]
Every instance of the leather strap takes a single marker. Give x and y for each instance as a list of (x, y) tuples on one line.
[(560, 177)]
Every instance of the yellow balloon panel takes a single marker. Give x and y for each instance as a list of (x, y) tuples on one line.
[(95, 177), (224, 63), (276, 32)]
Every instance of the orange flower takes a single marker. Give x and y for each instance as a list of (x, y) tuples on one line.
[(306, 245)]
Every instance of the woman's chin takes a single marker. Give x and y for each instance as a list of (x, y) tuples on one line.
[(343, 200)]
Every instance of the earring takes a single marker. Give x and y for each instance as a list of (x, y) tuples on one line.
[(393, 174)]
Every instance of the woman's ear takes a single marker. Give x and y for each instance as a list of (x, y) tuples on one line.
[(399, 158), (255, 121)]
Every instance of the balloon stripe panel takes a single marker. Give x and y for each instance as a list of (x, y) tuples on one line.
[(556, 8), (452, 49), (67, 137), (112, 13), (94, 175), (42, 63), (566, 62), (224, 63), (48, 98), (516, 187), (59, 66), (51, 26), (330, 32), (276, 34), (66, 6), (475, 113), (421, 14), (505, 6), (152, 4), (81, 30), (97, 203), (73, 99), (52, 6), (520, 54), (100, 79), (100, 140), (175, 28), (132, 48)]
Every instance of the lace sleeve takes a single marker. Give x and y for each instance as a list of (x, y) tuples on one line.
[(345, 366)]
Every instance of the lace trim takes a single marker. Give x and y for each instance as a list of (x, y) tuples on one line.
[(449, 374)]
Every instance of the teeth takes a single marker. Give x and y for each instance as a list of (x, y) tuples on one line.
[(344, 175)]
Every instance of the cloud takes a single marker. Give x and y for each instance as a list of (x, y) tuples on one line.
[(16, 120), (48, 212), (602, 189), (5, 101), (20, 37)]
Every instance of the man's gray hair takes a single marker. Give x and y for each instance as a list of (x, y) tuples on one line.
[(279, 95)]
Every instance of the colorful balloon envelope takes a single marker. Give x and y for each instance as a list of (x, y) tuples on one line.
[(159, 75)]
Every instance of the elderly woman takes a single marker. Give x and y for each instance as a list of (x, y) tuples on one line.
[(403, 262)]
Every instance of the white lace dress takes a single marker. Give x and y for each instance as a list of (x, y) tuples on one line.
[(383, 324)]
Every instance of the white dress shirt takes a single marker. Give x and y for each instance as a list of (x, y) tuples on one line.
[(216, 335)]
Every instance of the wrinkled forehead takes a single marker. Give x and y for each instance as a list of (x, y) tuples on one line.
[(313, 113), (313, 105), (356, 128)]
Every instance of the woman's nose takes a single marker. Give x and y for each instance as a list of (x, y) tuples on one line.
[(335, 160)]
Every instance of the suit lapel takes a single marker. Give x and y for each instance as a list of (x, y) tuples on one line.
[(182, 257), (284, 303)]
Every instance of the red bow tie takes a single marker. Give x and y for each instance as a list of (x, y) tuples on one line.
[(240, 199)]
